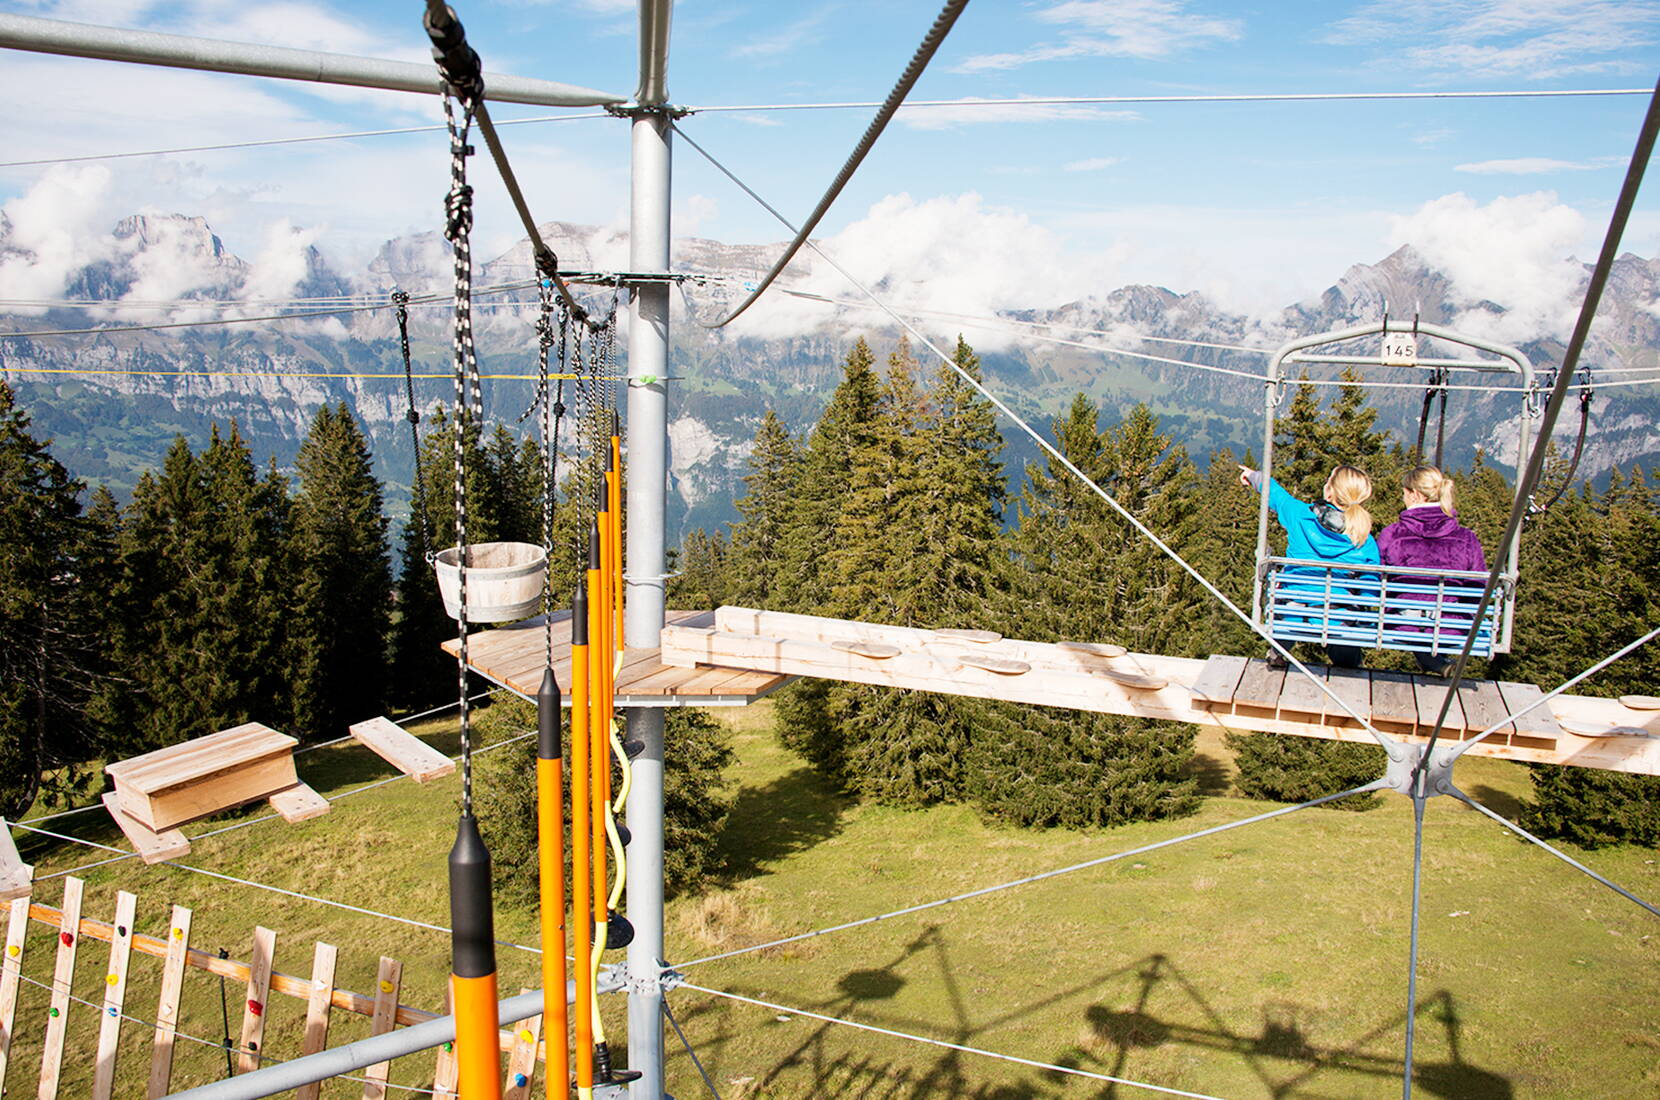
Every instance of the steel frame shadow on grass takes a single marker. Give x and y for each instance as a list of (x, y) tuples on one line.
[(1120, 1027)]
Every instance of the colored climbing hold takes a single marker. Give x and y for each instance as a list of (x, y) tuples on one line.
[(527, 1035), (120, 930), (112, 979), (386, 987), (67, 938), (13, 950), (56, 1013), (520, 1080), (448, 1047), (113, 1013), (255, 1007), (178, 933)]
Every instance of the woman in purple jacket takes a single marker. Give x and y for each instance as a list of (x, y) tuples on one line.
[(1428, 536)]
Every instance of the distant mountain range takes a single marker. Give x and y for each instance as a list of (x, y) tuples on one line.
[(108, 427)]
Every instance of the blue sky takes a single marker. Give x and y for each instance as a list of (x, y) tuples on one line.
[(1258, 204)]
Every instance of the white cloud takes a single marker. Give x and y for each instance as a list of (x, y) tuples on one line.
[(282, 264), (787, 40), (1522, 166), (967, 112), (1516, 252), (1093, 164), (53, 231), (1145, 29), (1535, 39), (952, 253)]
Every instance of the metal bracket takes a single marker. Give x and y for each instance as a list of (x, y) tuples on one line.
[(649, 984), (670, 978), (614, 978), (1398, 776)]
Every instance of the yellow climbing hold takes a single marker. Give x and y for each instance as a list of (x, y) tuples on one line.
[(386, 987), (527, 1035), (13, 950), (112, 979), (178, 933)]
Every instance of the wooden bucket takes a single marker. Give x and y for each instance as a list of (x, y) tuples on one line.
[(504, 580)]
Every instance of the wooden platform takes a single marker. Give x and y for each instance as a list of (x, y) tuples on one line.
[(514, 657), (1232, 693)]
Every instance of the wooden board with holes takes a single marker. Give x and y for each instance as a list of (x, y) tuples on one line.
[(299, 803), (181, 783), (151, 846)]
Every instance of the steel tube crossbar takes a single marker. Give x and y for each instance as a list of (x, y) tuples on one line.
[(23, 32)]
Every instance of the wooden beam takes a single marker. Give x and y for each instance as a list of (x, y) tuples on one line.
[(167, 1005), (181, 783), (402, 749), (63, 980), (250, 1046), (387, 982), (15, 875), (151, 846), (115, 997), (299, 803), (1626, 740), (323, 959), (11, 977)]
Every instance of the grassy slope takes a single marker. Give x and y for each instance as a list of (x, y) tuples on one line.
[(1265, 962)]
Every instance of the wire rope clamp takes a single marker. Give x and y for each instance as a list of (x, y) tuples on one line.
[(504, 580)]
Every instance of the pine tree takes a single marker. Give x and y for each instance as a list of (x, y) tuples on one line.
[(203, 593), (757, 542), (703, 569), (1088, 576), (48, 659), (342, 581), (1301, 453)]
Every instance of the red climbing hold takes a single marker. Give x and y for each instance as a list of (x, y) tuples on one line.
[(67, 938), (255, 1007)]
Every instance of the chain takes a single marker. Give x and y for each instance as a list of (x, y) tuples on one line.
[(458, 224), (417, 504)]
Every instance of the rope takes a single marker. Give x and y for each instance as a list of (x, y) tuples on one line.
[(417, 505), (1585, 395), (282, 141), (1388, 743), (1564, 857), (1039, 877), (1253, 97), (919, 61), (1559, 392), (701, 1072), (1048, 1067), (458, 209)]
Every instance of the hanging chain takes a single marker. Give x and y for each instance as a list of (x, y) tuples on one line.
[(417, 504), (458, 224)]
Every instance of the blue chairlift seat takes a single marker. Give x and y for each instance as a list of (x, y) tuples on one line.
[(1379, 607)]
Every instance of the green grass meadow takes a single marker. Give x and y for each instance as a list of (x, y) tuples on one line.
[(1269, 961)]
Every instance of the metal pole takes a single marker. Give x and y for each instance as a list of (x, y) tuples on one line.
[(23, 32), (648, 351)]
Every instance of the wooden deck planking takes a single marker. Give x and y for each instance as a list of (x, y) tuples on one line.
[(1484, 707), (1431, 692), (1302, 694), (1260, 686), (1215, 685), (1393, 699), (1539, 723), (1354, 687)]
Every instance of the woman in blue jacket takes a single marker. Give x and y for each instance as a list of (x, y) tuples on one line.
[(1336, 528)]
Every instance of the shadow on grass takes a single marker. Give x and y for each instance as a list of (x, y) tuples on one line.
[(1280, 1053), (1116, 1032), (1212, 774), (774, 821)]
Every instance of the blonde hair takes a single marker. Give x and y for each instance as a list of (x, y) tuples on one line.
[(1350, 488), (1433, 485)]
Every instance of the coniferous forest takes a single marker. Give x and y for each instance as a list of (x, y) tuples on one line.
[(222, 593)]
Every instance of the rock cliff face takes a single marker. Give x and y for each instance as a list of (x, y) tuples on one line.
[(270, 376)]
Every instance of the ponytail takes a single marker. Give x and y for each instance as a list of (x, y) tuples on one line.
[(1350, 488), (1433, 485)]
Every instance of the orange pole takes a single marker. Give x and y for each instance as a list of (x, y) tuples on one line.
[(550, 829), (581, 926), (477, 1042), (599, 617)]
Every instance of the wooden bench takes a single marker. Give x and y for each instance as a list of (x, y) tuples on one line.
[(402, 749), (159, 791)]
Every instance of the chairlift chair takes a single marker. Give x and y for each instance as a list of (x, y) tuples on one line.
[(1386, 607)]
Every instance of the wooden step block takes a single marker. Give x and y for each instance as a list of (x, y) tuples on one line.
[(181, 783), (1640, 702), (15, 875), (403, 750), (299, 803), (151, 846)]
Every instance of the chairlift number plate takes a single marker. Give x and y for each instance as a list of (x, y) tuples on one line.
[(1400, 349)]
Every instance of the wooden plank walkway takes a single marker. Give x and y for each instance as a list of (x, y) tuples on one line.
[(1227, 692), (514, 657)]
